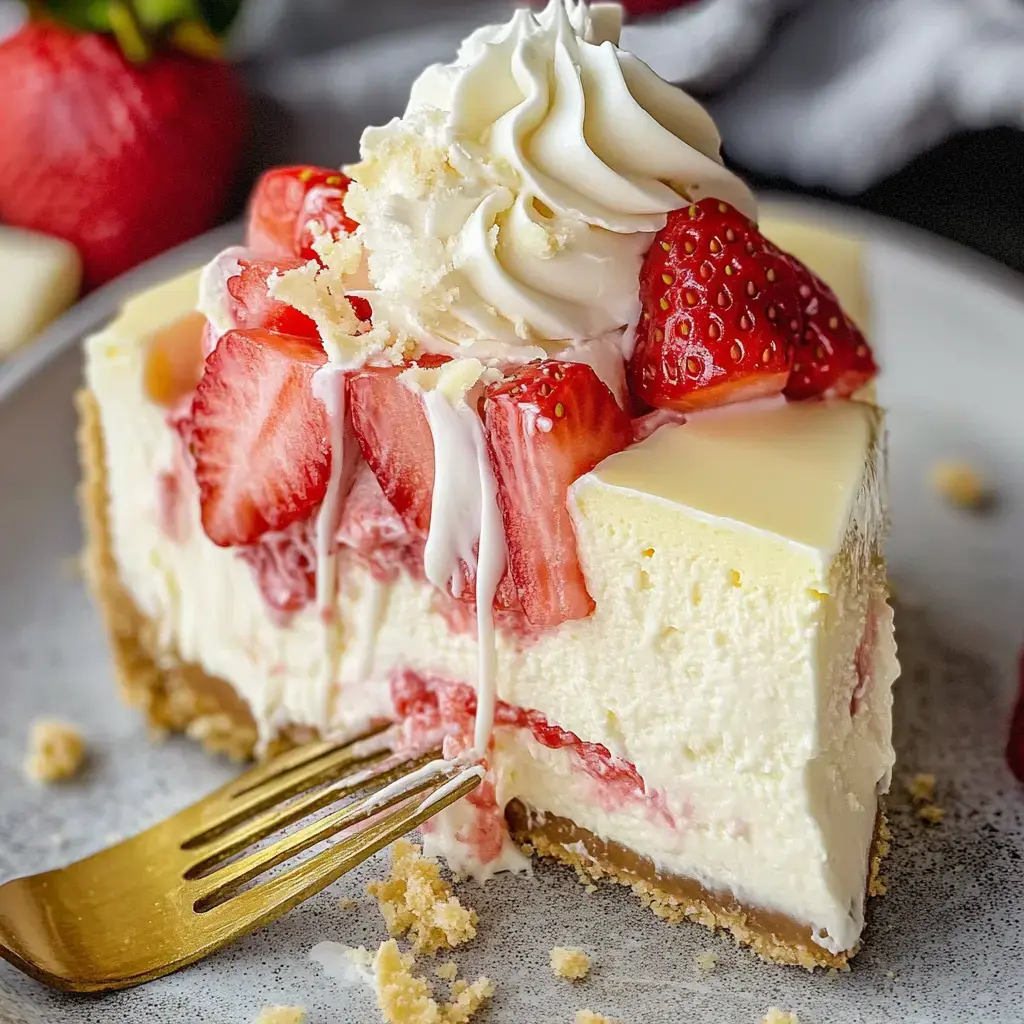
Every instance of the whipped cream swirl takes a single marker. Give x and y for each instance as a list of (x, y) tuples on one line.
[(507, 212)]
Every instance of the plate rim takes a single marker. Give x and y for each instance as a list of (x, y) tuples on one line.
[(90, 313)]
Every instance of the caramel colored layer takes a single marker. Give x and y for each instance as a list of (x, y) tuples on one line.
[(772, 935)]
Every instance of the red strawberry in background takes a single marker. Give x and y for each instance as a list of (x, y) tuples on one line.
[(1015, 743), (548, 424), (642, 8), (719, 313), (286, 200), (122, 157)]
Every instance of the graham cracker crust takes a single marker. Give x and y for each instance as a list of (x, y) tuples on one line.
[(176, 696), (173, 695), (773, 936)]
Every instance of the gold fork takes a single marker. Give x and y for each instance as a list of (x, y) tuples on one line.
[(171, 895)]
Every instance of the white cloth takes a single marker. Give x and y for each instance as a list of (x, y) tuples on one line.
[(837, 93)]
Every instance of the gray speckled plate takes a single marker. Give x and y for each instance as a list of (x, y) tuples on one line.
[(946, 944)]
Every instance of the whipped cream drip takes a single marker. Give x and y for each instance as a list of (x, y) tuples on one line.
[(507, 212), (466, 531)]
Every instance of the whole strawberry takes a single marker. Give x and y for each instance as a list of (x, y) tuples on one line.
[(720, 314), (122, 158)]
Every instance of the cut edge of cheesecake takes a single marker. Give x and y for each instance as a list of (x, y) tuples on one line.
[(179, 697)]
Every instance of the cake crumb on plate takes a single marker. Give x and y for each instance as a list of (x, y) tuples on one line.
[(589, 1017), (447, 971), (56, 750), (777, 1016), (922, 787), (931, 813), (706, 962), (281, 1015), (922, 791), (405, 997), (416, 900), (570, 963), (961, 484)]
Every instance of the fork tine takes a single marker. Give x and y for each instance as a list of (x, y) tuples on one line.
[(266, 902), (219, 884), (333, 762), (276, 818), (296, 757)]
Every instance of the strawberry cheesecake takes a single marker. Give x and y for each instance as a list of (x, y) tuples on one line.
[(521, 433)]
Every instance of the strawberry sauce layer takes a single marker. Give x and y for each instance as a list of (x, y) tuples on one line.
[(429, 707)]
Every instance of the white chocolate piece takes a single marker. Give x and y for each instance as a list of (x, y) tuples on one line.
[(41, 276)]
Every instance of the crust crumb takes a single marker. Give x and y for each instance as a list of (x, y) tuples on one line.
[(347, 903), (589, 1017), (404, 997), (922, 787), (931, 813), (281, 1015), (447, 971), (56, 750), (416, 900), (570, 963), (706, 962), (922, 791), (777, 1016), (961, 485)]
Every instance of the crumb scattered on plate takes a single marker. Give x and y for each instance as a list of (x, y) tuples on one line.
[(405, 997), (416, 900), (961, 484), (569, 962), (56, 750), (922, 791), (589, 1017), (281, 1015), (347, 903), (777, 1016), (706, 962), (447, 971), (922, 787)]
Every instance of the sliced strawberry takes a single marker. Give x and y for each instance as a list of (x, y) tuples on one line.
[(252, 306), (323, 210), (547, 424), (258, 436), (280, 208), (832, 357), (372, 528), (284, 565), (716, 326), (361, 307), (391, 424)]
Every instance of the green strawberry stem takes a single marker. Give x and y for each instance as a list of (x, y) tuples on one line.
[(140, 25)]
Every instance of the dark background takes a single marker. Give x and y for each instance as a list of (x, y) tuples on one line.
[(969, 189)]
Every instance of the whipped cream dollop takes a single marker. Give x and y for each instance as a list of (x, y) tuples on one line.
[(508, 210)]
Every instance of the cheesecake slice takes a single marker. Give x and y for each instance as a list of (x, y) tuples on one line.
[(511, 444), (716, 732)]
